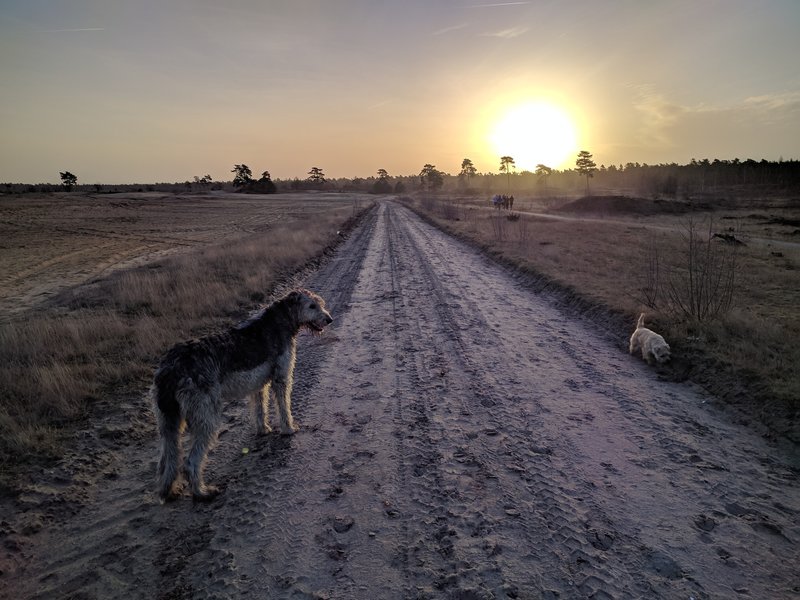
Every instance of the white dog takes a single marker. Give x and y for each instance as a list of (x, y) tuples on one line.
[(653, 346)]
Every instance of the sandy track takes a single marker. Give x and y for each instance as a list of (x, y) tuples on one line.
[(461, 438)]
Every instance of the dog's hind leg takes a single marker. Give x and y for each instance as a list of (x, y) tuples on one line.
[(260, 399), (170, 456), (202, 419)]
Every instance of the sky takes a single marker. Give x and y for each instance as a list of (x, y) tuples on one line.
[(116, 91)]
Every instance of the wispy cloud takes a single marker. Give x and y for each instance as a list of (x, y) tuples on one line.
[(658, 114), (449, 29), (73, 30), (496, 4), (670, 124), (789, 100), (509, 33), (380, 104)]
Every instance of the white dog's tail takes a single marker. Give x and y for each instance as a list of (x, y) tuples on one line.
[(640, 322)]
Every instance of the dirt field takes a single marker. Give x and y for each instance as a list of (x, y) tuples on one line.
[(460, 438), (48, 243)]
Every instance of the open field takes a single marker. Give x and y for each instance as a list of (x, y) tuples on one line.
[(96, 287), (460, 436), (597, 250), (51, 242)]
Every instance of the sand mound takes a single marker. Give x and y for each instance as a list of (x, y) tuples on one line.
[(624, 204)]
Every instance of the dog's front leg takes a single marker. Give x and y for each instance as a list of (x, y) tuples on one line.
[(260, 399), (282, 387), (282, 379)]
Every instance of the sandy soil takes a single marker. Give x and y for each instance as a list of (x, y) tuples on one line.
[(460, 438)]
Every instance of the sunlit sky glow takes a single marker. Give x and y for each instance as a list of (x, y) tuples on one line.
[(163, 90)]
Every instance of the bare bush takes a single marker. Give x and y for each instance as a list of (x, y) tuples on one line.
[(449, 210), (523, 231), (498, 227), (649, 292), (696, 285)]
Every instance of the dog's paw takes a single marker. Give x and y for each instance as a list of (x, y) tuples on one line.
[(290, 429), (207, 495), (168, 497)]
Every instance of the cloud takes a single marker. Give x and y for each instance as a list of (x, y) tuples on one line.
[(658, 115), (771, 105), (496, 4), (380, 104), (509, 33), (449, 29), (749, 127), (73, 30)]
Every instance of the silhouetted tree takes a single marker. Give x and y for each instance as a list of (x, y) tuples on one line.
[(468, 170), (265, 185), (243, 175), (316, 177), (431, 177), (203, 181), (68, 180), (382, 185), (543, 172), (586, 166), (506, 163)]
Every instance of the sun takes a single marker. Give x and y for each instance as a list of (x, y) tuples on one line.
[(535, 133)]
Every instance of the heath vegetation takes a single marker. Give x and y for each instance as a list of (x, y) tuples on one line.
[(717, 277), (92, 344)]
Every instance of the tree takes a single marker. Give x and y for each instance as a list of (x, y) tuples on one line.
[(68, 180), (506, 164), (468, 170), (382, 185), (316, 177), (431, 177), (543, 172), (586, 166), (265, 185), (243, 175), (203, 181)]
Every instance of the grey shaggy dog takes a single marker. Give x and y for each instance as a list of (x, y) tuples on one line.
[(194, 379)]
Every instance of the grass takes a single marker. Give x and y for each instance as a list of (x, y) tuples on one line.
[(747, 357), (99, 341)]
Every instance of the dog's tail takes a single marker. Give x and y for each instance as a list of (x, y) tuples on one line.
[(640, 322), (168, 416)]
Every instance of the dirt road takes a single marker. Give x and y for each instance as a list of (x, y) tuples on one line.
[(460, 438)]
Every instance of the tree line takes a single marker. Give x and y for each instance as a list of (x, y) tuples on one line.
[(699, 176)]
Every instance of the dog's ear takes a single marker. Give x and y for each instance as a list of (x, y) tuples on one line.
[(293, 296)]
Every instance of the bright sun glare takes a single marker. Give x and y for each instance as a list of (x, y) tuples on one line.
[(535, 133)]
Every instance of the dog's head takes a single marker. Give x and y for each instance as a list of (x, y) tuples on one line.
[(310, 310), (661, 353)]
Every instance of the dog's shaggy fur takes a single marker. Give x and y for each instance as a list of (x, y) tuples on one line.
[(654, 347), (194, 378)]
